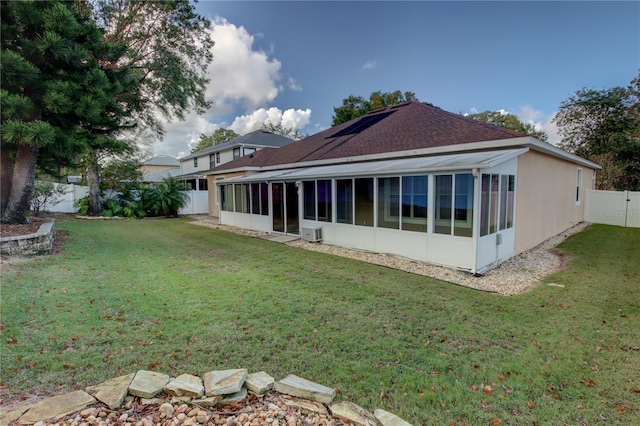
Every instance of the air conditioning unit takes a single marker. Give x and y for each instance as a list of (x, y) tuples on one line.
[(312, 234)]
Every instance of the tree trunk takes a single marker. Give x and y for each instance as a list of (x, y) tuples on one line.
[(6, 176), (93, 180), (23, 179)]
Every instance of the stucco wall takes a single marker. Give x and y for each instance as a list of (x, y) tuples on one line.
[(546, 198)]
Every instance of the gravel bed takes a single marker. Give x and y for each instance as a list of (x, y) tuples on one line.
[(517, 275)]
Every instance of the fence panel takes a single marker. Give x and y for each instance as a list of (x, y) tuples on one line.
[(198, 203), (65, 204), (620, 208)]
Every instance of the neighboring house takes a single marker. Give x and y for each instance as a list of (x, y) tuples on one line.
[(195, 166), (160, 167), (411, 180)]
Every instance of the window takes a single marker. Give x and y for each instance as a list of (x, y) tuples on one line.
[(364, 202), (212, 161), (202, 185), (389, 203), (249, 151), (454, 205), (414, 203), (255, 198), (344, 201), (309, 193), (579, 186), (195, 162), (236, 153), (226, 197), (443, 189), (325, 204), (264, 199), (463, 213), (218, 157), (497, 202), (241, 197)]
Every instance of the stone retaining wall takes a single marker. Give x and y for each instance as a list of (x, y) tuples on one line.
[(40, 242)]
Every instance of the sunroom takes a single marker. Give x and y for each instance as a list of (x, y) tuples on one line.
[(454, 210)]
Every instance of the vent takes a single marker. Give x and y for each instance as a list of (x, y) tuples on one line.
[(312, 234)]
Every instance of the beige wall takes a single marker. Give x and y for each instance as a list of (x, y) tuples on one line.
[(546, 198), (213, 191), (151, 169)]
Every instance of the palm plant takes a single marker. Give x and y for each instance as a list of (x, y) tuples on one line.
[(166, 198)]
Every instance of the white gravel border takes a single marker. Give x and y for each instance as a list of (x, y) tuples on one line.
[(517, 275)]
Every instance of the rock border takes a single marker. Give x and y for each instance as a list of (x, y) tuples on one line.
[(148, 398), (38, 243)]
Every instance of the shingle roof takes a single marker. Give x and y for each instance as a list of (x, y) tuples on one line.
[(258, 138), (405, 127)]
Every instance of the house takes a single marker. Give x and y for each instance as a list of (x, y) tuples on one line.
[(159, 168), (411, 180), (194, 166)]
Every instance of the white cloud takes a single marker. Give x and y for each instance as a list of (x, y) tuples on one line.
[(541, 121), (369, 65), (240, 77), (296, 119)]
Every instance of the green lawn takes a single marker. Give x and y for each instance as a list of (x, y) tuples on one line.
[(180, 298)]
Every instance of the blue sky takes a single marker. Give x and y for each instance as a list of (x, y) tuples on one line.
[(292, 62)]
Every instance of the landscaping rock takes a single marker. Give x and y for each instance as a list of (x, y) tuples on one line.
[(389, 419), (112, 392), (303, 388), (211, 401), (224, 382), (57, 406), (308, 406), (354, 413), (259, 382), (185, 385), (147, 384), (234, 397), (8, 415)]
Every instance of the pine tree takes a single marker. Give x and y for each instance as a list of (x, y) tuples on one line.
[(60, 98)]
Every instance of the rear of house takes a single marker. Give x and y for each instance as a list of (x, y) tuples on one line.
[(414, 181)]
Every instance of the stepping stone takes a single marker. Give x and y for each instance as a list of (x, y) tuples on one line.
[(224, 382), (112, 392), (389, 419), (354, 413), (185, 385), (303, 388), (234, 397), (147, 384), (57, 406), (259, 382)]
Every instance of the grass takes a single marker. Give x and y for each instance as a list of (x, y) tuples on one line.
[(179, 298)]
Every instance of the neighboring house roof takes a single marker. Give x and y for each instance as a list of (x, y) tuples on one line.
[(259, 138), (162, 160), (159, 177), (405, 130)]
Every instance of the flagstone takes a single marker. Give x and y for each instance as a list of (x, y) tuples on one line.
[(303, 388), (57, 406), (8, 415), (112, 392), (234, 397), (259, 382), (354, 413), (147, 384), (224, 382), (389, 419), (185, 385)]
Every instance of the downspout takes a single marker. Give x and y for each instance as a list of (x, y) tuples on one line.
[(476, 215)]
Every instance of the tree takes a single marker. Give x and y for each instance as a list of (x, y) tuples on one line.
[(604, 127), (168, 45), (218, 136), (46, 193), (166, 198), (357, 106), (57, 96), (510, 121), (287, 132)]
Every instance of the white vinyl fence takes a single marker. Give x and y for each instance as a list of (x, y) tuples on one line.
[(66, 203), (621, 208), (198, 203)]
